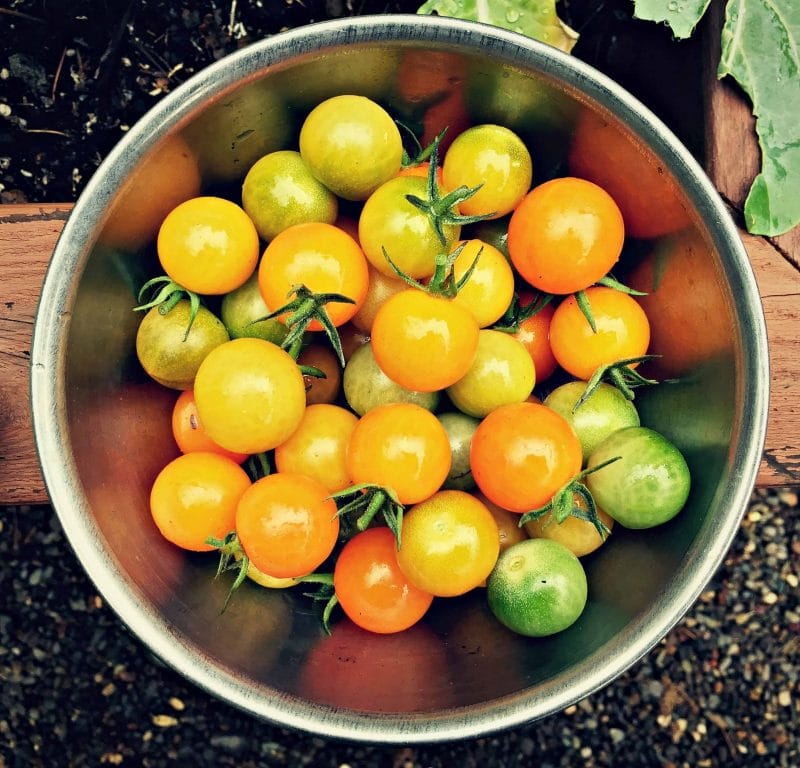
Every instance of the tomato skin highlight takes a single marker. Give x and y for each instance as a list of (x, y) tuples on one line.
[(195, 496), (565, 235), (422, 342), (323, 258), (371, 588), (450, 544), (208, 245), (522, 454), (400, 446), (623, 332), (287, 524)]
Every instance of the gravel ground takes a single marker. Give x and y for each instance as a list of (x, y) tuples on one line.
[(79, 690)]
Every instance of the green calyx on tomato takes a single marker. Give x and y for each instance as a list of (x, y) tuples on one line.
[(441, 210), (325, 593), (517, 313), (421, 154), (231, 558), (563, 504), (371, 500), (607, 282), (258, 466), (443, 282), (167, 296), (621, 375), (302, 309)]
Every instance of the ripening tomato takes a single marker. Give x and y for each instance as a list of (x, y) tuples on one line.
[(380, 288), (324, 259), (189, 433), (579, 536), (508, 528), (287, 524), (208, 245), (195, 496), (422, 342), (352, 145), (422, 170), (321, 390), (372, 589), (488, 292), (494, 159), (623, 332), (534, 335), (400, 446), (565, 235), (250, 395), (450, 544), (318, 447), (522, 454)]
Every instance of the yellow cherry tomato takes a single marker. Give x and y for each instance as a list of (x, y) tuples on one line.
[(489, 291)]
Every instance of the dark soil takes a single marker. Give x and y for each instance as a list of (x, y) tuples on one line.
[(78, 690)]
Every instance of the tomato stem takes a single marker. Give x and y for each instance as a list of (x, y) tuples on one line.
[(325, 592), (618, 373), (258, 466), (166, 297), (586, 308), (517, 314), (609, 281), (369, 501), (231, 558)]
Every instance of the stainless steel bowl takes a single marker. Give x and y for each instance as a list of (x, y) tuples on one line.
[(102, 429)]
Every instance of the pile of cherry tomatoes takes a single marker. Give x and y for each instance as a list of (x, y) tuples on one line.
[(357, 404)]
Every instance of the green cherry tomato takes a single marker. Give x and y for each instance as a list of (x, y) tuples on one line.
[(460, 428), (242, 307), (537, 588), (167, 353), (280, 190), (366, 386), (604, 412), (352, 145), (647, 486), (502, 373)]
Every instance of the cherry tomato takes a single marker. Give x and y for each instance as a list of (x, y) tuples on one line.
[(422, 170), (565, 235), (287, 524), (366, 386), (501, 373), (242, 307), (522, 454), (493, 158), (450, 544), (167, 353), (488, 292), (321, 257), (460, 428), (189, 433), (280, 191), (424, 342), (538, 588), (380, 288), (579, 536), (351, 339), (534, 335), (604, 412), (371, 588), (400, 446), (321, 390), (318, 447), (208, 245), (389, 221), (352, 145), (508, 528), (250, 395), (647, 486), (623, 332), (195, 496)]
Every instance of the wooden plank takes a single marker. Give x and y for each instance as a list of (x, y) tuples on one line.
[(28, 234), (732, 161)]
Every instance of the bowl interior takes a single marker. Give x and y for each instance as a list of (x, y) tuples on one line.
[(103, 428)]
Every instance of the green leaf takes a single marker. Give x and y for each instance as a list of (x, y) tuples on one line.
[(534, 18), (761, 50), (681, 15)]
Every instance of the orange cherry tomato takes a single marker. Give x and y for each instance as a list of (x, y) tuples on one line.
[(318, 447), (371, 588), (208, 245), (423, 170), (287, 524), (534, 335), (508, 527), (623, 331), (380, 289), (400, 446), (189, 433), (423, 342), (195, 496), (565, 235), (321, 390), (521, 454), (323, 258)]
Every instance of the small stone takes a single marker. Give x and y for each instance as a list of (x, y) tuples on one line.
[(164, 721), (571, 710), (785, 699), (770, 598), (742, 748), (664, 720), (5, 110), (617, 735), (792, 580), (586, 752), (108, 689), (177, 704)]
